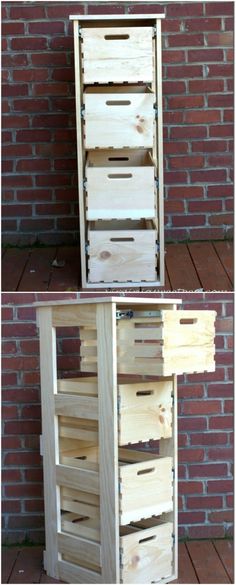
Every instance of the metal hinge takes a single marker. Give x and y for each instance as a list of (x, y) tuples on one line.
[(82, 111), (173, 471), (157, 182), (86, 249), (118, 405), (156, 111), (158, 247), (80, 31), (173, 536), (124, 314), (85, 181), (154, 30)]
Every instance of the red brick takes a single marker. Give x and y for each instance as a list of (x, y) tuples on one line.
[(16, 210), (25, 521), (61, 43), (224, 325), (221, 100), (29, 225), (27, 12), (221, 39), (191, 517), (12, 28), (11, 506), (31, 412), (205, 55), (220, 70), (65, 135), (221, 422), (230, 55), (19, 330), (16, 299), (173, 56), (175, 147), (190, 487), (170, 26), (30, 75), (14, 89), (29, 44), (185, 40), (17, 60), (218, 375), (23, 427), (33, 135), (218, 8), (188, 132), (172, 118), (185, 192), (33, 165), (221, 516), (203, 24), (229, 24), (177, 10), (37, 195), (209, 146), (9, 379), (10, 475), (13, 150), (34, 505), (225, 218), (193, 391), (192, 424), (189, 455), (208, 176), (221, 453), (173, 87), (50, 120), (174, 206), (61, 88), (202, 502), (230, 500), (205, 206), (8, 347), (9, 412), (49, 59), (63, 10), (32, 442), (112, 9), (184, 71), (206, 85), (183, 162), (34, 475), (202, 116), (21, 395), (64, 103), (175, 177), (201, 407), (26, 313), (46, 28), (52, 180), (190, 220), (21, 458), (220, 190), (220, 486), (11, 442), (228, 116), (31, 378), (208, 438), (206, 531), (184, 102)]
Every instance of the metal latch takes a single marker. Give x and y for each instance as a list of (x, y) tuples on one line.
[(129, 314), (124, 314)]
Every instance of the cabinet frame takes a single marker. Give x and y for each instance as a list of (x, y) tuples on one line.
[(153, 20)]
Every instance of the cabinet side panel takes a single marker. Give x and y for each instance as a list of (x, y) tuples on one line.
[(80, 156), (48, 370), (108, 449), (160, 150)]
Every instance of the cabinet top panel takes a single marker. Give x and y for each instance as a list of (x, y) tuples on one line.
[(89, 17), (119, 300)]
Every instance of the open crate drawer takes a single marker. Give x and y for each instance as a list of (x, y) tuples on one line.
[(120, 185), (121, 251), (173, 342), (146, 552), (112, 54), (118, 117), (144, 411)]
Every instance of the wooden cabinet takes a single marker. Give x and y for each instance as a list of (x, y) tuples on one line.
[(120, 158), (111, 499)]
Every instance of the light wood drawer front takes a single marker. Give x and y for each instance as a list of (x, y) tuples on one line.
[(122, 255), (145, 411), (117, 54), (120, 184), (145, 487), (147, 554), (115, 118)]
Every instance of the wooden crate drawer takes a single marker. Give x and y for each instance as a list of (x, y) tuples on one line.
[(145, 485), (174, 342), (116, 184), (145, 411), (146, 553), (118, 117), (117, 54), (122, 251)]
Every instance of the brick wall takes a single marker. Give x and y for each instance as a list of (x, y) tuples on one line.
[(39, 141), (205, 422)]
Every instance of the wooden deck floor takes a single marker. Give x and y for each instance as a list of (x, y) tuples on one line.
[(197, 266), (199, 562)]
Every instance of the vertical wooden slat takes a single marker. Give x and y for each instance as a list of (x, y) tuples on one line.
[(80, 151), (48, 367), (160, 150), (108, 449)]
